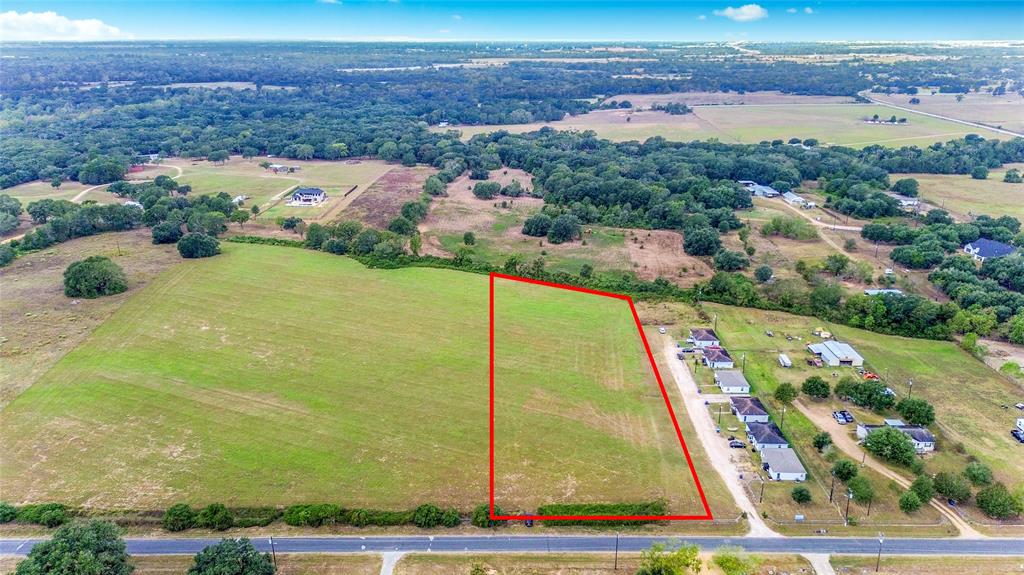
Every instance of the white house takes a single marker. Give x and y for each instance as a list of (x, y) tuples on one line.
[(905, 201), (718, 358), (883, 291), (783, 465), (703, 337), (765, 436), (308, 197), (732, 381), (795, 200), (835, 354), (923, 440), (749, 409)]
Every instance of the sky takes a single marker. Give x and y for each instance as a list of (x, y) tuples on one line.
[(494, 20)]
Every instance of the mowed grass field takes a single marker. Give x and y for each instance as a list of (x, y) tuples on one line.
[(272, 376), (578, 413), (962, 195), (839, 124)]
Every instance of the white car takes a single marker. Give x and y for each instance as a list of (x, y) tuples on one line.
[(661, 330)]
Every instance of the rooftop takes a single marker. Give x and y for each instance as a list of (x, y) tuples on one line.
[(987, 248), (748, 406), (703, 334), (782, 460), (731, 378), (716, 354), (766, 433)]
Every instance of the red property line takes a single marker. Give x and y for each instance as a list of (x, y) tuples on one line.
[(664, 394)]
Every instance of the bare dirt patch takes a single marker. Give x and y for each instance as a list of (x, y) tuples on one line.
[(461, 211), (41, 324), (659, 253), (383, 200)]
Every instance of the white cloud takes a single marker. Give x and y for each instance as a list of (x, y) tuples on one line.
[(702, 17), (791, 10), (745, 13), (18, 26), (808, 10), (456, 16)]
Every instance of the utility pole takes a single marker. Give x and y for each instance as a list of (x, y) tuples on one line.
[(881, 539), (716, 322), (617, 552), (719, 414), (832, 489), (849, 498), (744, 358), (910, 388), (783, 424), (273, 552), (761, 498)]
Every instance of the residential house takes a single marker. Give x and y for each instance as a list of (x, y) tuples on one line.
[(765, 436), (923, 440), (703, 337), (783, 464), (759, 190), (749, 409), (134, 204), (883, 291), (732, 381), (984, 248), (718, 358), (906, 202), (308, 197), (795, 200), (835, 354)]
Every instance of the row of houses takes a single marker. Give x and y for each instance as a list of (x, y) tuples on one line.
[(713, 354), (779, 460)]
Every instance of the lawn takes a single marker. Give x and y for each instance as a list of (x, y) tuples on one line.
[(574, 564), (578, 413), (964, 196), (840, 124), (33, 191), (927, 565), (271, 376)]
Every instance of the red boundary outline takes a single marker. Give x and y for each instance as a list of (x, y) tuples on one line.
[(661, 385)]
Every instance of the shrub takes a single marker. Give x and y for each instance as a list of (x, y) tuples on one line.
[(785, 393), (916, 411), (166, 233), (763, 274), (978, 473), (701, 241), (451, 517), (7, 254), (801, 494), (93, 277), (794, 228), (910, 502), (215, 516), (196, 245), (565, 228), (312, 515), (45, 514), (952, 486), (644, 508), (469, 238), (815, 386), (482, 516), (179, 517), (924, 488), (997, 502), (730, 261), (734, 561), (232, 557), (486, 190), (979, 173), (862, 490), (8, 512), (845, 470), (426, 516), (335, 246), (822, 440), (401, 226)]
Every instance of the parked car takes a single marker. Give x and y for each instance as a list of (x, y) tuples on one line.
[(687, 350), (770, 333), (737, 444), (1018, 435), (661, 330), (842, 417)]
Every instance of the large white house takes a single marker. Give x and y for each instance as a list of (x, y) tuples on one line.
[(308, 197), (783, 465), (703, 337), (732, 381)]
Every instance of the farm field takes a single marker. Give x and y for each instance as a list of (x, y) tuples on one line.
[(382, 201), (726, 98), (169, 395), (578, 414), (964, 196), (840, 124), (1005, 111)]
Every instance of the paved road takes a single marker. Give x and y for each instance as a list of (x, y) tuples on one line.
[(569, 543), (719, 454)]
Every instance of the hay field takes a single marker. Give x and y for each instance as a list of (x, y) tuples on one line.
[(964, 196), (271, 376), (1005, 111)]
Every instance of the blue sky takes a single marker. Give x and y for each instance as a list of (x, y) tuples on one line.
[(513, 20)]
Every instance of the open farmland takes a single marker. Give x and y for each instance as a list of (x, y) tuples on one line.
[(270, 376), (1006, 111), (841, 124), (578, 415), (964, 196)]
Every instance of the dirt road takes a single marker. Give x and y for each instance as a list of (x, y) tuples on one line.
[(718, 452), (847, 444)]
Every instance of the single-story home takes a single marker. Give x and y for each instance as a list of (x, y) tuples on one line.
[(732, 381), (984, 248), (703, 337), (239, 200), (764, 436), (308, 197), (883, 291), (784, 360), (749, 409), (759, 190), (923, 440), (718, 358), (905, 201), (783, 465), (836, 354), (795, 200), (134, 204)]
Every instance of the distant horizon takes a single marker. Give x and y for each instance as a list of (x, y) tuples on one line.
[(1010, 42)]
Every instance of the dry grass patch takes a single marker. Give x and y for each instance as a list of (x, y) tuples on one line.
[(383, 200)]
